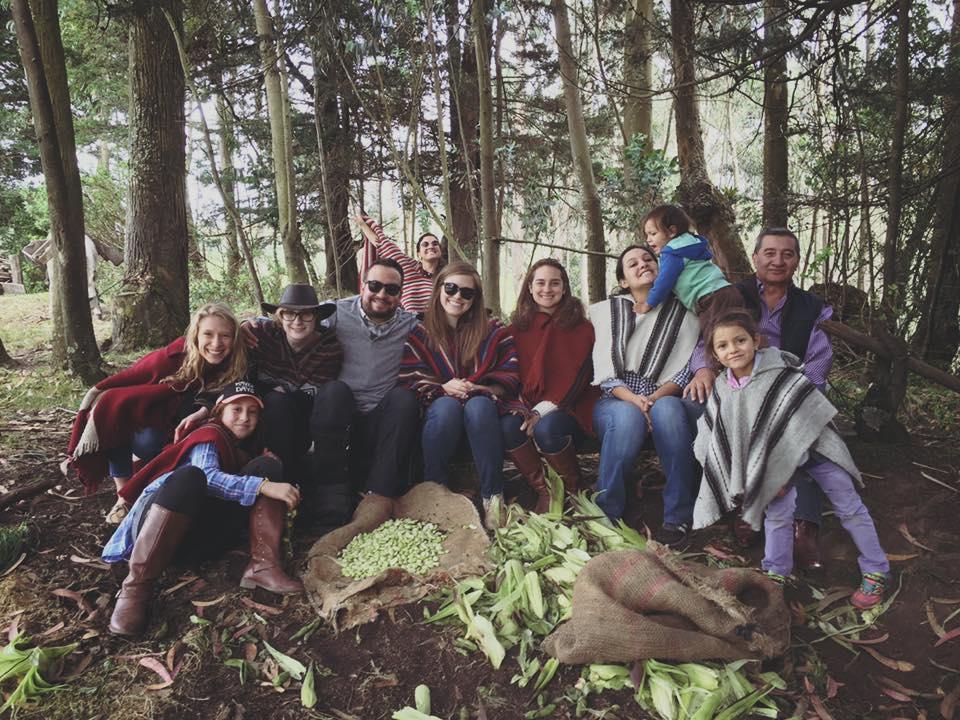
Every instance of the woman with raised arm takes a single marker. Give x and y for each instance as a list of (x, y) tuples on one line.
[(554, 340), (157, 399), (418, 275), (463, 366)]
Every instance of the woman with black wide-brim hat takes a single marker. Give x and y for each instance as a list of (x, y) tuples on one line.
[(293, 358)]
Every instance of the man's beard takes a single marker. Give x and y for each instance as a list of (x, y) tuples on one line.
[(379, 314)]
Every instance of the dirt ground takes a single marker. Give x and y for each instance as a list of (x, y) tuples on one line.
[(61, 593)]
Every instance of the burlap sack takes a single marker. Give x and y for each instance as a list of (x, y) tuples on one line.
[(638, 604), (345, 602)]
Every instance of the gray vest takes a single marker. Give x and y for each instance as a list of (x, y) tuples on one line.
[(371, 352)]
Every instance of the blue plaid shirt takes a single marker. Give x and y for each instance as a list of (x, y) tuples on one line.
[(238, 488), (640, 385)]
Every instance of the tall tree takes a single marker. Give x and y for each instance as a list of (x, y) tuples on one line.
[(637, 74), (596, 265), (938, 333), (228, 178), (491, 229), (281, 144), (776, 32), (152, 306), (464, 91), (41, 52), (711, 211)]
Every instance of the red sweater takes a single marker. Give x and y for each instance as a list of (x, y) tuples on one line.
[(555, 365)]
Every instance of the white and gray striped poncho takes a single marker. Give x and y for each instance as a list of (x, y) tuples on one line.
[(751, 440)]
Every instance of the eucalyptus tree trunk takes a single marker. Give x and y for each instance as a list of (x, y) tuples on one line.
[(712, 213), (637, 75), (152, 306), (596, 265), (281, 146), (775, 115), (892, 289), (41, 52), (491, 230), (938, 335), (464, 91), (228, 178)]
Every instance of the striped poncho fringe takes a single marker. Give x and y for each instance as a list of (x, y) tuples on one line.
[(750, 441), (425, 369)]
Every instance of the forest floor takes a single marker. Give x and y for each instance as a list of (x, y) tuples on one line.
[(60, 593)]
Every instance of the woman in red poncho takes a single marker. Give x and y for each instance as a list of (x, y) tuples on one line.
[(554, 342), (159, 398)]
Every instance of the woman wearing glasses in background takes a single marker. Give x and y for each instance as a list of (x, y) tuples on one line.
[(463, 366), (292, 358), (418, 275)]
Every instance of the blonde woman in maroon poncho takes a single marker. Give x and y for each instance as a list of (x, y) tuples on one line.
[(554, 341)]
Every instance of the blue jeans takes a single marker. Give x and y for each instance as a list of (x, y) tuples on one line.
[(622, 428), (146, 445), (551, 433), (446, 421)]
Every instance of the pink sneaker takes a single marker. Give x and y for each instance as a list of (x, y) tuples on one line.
[(871, 590)]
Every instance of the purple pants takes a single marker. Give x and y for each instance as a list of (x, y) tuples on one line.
[(838, 486)]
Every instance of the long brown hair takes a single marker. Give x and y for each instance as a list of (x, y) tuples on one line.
[(473, 324), (196, 370), (568, 312)]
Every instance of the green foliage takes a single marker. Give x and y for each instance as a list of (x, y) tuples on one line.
[(12, 538), (27, 667), (629, 189)]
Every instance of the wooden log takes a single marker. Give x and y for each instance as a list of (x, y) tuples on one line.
[(28, 491), (872, 344)]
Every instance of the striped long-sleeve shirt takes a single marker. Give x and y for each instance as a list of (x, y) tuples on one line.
[(417, 282)]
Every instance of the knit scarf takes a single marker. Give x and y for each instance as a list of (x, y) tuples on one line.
[(119, 406), (316, 363), (425, 369), (656, 345), (751, 440), (169, 459)]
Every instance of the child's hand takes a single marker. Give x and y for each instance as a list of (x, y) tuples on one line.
[(284, 492), (641, 308), (189, 423)]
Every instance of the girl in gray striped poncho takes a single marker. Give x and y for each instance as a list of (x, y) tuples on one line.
[(763, 421)]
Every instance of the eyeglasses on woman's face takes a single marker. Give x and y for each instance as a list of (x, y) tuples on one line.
[(294, 315), (376, 286), (467, 293)]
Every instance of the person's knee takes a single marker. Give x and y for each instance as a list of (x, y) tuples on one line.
[(445, 409), (402, 402), (548, 438), (479, 409), (184, 490), (148, 442), (265, 466), (334, 399), (513, 436)]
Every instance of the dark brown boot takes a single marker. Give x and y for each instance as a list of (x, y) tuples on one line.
[(266, 529), (566, 465), (527, 459), (806, 546), (153, 550)]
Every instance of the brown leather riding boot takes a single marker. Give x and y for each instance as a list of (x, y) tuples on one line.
[(806, 547), (266, 568), (160, 534), (527, 459), (566, 465)]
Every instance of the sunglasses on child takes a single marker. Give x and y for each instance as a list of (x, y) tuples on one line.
[(376, 286), (451, 289), (294, 315)]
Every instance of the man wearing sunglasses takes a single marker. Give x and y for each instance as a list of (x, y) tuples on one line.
[(372, 423)]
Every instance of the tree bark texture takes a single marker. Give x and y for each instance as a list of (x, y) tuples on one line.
[(5, 358), (281, 146), (596, 266), (712, 213), (152, 306), (491, 229), (464, 120), (892, 291), (938, 335), (637, 74), (775, 115), (333, 108), (41, 52)]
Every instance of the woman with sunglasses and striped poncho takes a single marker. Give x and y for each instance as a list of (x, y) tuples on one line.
[(463, 366)]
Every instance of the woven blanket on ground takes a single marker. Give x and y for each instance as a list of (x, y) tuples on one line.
[(638, 604), (751, 441), (656, 345), (345, 602)]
